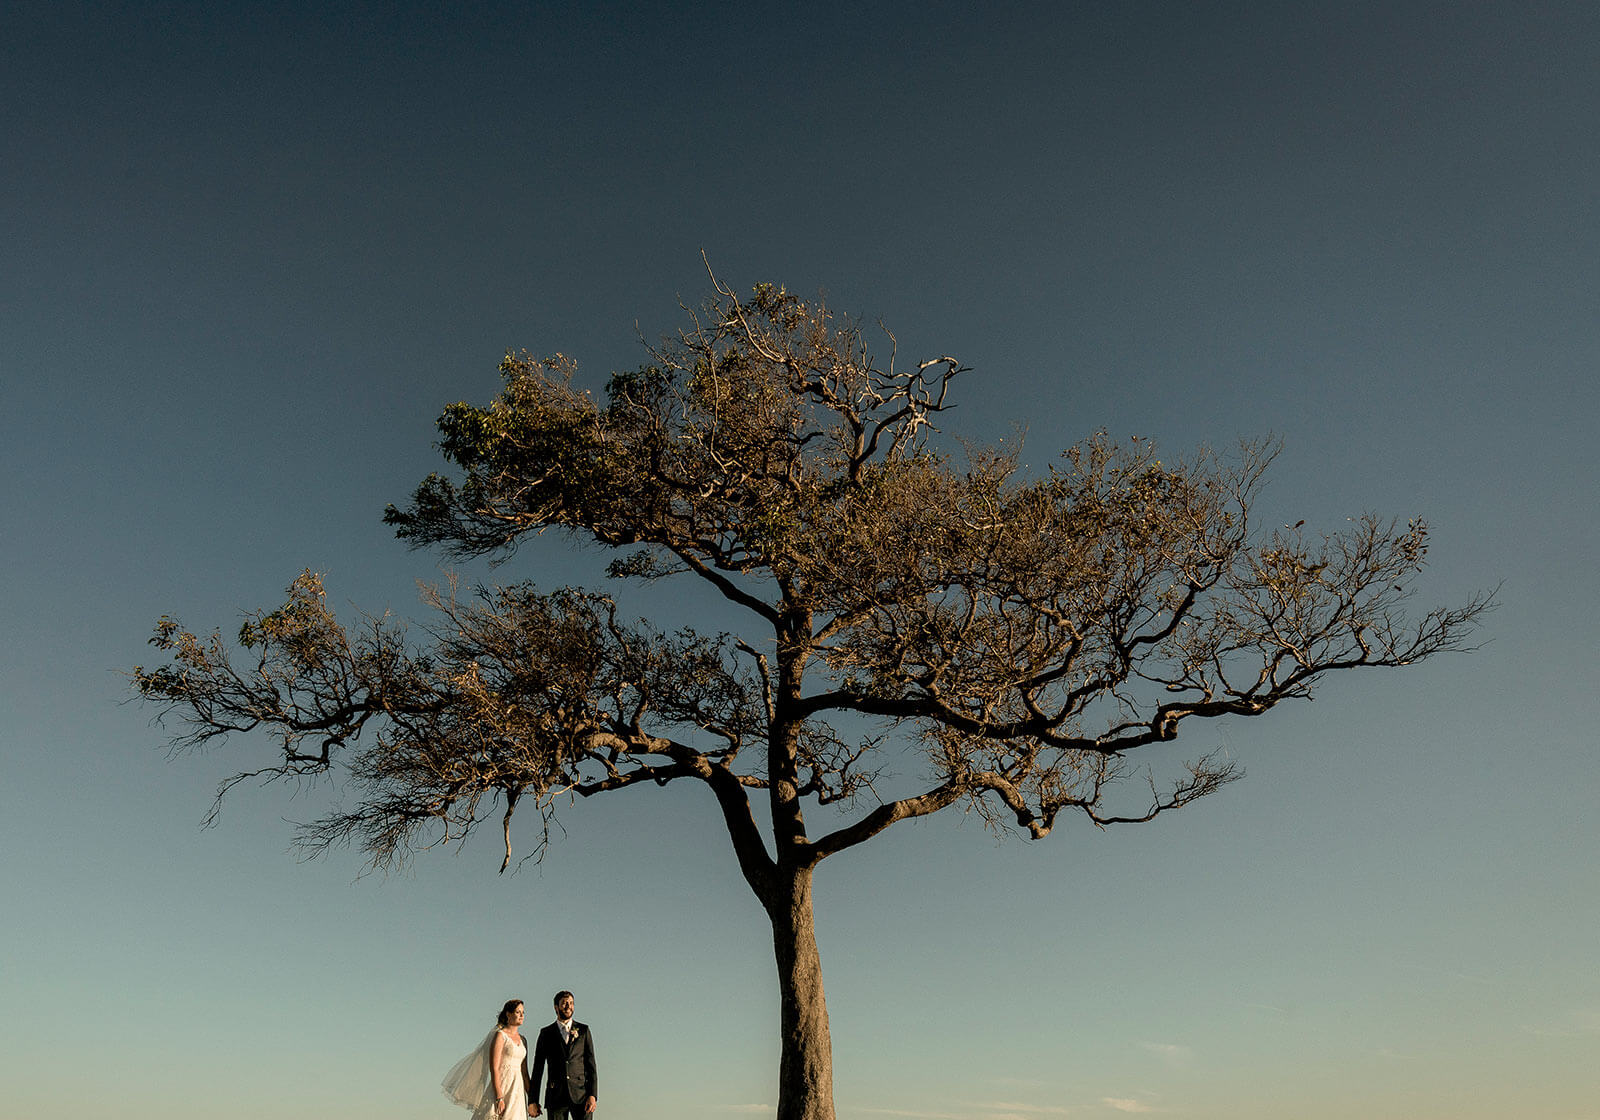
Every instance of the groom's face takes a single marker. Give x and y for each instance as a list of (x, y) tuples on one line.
[(564, 1007)]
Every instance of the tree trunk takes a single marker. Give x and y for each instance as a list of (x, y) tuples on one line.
[(805, 1073)]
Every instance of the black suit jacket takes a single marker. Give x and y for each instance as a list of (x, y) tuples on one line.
[(572, 1075)]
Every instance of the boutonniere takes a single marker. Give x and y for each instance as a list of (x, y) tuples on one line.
[(572, 1036)]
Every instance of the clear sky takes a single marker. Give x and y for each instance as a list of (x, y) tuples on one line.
[(247, 252)]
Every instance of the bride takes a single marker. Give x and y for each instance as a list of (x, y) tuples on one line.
[(493, 1079)]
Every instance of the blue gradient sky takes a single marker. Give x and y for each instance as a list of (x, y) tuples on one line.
[(248, 252)]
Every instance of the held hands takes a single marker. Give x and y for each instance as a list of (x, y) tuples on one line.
[(588, 1105)]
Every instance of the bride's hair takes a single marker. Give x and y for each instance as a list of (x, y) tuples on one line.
[(508, 1010)]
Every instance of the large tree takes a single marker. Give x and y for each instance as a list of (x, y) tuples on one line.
[(1022, 634)]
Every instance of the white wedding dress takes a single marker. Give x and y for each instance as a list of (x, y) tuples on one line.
[(469, 1085)]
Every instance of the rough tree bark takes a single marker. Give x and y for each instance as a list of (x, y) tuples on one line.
[(805, 1071)]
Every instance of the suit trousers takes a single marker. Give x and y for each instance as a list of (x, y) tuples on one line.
[(569, 1112)]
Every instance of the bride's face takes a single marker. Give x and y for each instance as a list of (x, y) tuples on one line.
[(516, 1016)]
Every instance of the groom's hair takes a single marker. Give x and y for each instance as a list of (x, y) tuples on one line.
[(561, 996)]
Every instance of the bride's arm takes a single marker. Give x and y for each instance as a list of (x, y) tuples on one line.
[(494, 1070)]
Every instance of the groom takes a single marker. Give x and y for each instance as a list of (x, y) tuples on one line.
[(565, 1044)]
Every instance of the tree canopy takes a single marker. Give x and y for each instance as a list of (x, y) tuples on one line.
[(1025, 632)]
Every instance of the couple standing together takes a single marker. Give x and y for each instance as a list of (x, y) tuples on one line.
[(494, 1081)]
